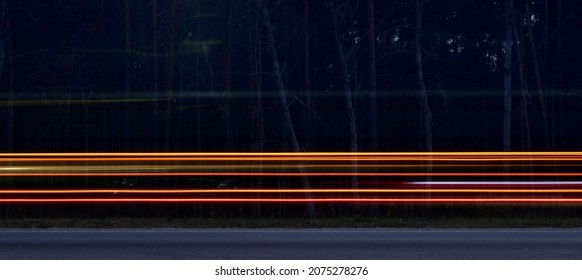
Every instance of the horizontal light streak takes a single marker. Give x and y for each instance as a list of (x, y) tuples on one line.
[(293, 200), (295, 159), (268, 154), (295, 174), (229, 166), (183, 167), (498, 183), (553, 166), (300, 156), (210, 191)]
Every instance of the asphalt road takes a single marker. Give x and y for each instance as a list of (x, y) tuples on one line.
[(291, 244)]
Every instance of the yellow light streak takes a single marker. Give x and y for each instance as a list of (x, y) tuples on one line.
[(206, 191), (295, 154), (405, 155), (293, 200), (299, 157), (296, 174), (318, 164)]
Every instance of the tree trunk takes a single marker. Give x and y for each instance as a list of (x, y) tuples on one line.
[(525, 130), (228, 45), (306, 45), (7, 74), (426, 123), (7, 70), (372, 79), (224, 102), (127, 47), (507, 48), (259, 130), (156, 121), (170, 73), (128, 73), (308, 117), (425, 108), (283, 99), (539, 85), (172, 39), (348, 92), (3, 31), (558, 52), (155, 44)]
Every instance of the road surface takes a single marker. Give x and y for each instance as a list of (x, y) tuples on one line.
[(317, 244)]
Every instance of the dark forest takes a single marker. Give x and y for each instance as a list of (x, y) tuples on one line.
[(240, 75)]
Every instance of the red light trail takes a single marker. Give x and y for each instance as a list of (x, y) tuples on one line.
[(299, 200), (533, 177)]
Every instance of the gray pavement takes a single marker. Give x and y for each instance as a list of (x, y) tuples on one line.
[(290, 244)]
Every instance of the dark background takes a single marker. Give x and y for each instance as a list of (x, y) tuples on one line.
[(199, 76), (285, 75)]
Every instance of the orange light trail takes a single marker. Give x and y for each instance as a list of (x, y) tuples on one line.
[(211, 191), (249, 166), (299, 156), (295, 200), (542, 169), (292, 154), (295, 174)]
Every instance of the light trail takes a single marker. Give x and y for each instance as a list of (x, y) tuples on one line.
[(308, 156), (294, 200), (294, 154), (212, 191), (297, 159), (543, 169), (84, 167), (231, 166), (295, 174), (543, 183)]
